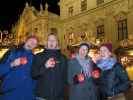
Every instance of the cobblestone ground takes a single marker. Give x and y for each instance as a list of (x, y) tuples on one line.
[(126, 96), (129, 94)]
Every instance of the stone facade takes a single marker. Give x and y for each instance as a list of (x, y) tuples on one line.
[(74, 24), (39, 23)]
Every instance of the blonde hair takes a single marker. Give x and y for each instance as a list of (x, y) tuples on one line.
[(57, 38)]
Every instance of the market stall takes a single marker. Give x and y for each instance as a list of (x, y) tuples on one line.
[(125, 55)]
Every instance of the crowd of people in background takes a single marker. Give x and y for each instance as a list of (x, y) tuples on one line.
[(49, 74)]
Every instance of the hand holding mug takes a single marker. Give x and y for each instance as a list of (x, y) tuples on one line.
[(15, 63), (50, 63), (81, 77), (19, 61), (96, 74)]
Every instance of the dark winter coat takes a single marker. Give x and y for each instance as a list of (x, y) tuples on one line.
[(113, 81), (17, 83), (86, 90), (51, 81)]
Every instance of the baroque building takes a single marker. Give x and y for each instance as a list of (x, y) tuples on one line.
[(39, 23), (79, 20)]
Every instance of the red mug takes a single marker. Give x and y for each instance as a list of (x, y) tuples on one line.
[(81, 77), (53, 61), (23, 60), (96, 74)]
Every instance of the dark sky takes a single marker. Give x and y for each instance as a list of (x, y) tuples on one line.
[(10, 10)]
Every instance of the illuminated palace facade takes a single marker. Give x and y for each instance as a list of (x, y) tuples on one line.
[(79, 20)]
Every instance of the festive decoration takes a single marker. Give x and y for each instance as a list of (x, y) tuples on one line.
[(127, 42), (81, 77)]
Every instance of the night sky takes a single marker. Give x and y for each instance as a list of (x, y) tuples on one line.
[(10, 10)]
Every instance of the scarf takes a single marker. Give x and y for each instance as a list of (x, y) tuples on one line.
[(86, 65), (106, 64)]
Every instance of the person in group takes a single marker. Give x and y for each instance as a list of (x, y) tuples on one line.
[(113, 79), (80, 77), (50, 70), (15, 72)]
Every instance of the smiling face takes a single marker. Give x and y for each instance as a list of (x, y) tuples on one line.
[(104, 52), (83, 51), (31, 43)]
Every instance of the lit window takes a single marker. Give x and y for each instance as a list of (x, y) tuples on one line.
[(83, 5), (100, 2), (54, 30), (70, 11), (100, 30), (122, 29)]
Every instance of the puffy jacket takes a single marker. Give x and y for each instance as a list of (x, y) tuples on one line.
[(17, 83), (113, 81)]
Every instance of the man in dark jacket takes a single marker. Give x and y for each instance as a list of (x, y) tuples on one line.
[(49, 68)]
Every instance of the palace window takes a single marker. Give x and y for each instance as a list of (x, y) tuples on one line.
[(35, 30), (122, 29), (100, 2), (83, 5), (100, 31), (70, 11), (54, 30)]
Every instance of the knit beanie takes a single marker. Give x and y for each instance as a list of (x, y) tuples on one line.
[(108, 46)]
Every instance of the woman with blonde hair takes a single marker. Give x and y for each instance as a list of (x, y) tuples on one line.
[(49, 68)]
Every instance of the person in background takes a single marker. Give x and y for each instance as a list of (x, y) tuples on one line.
[(80, 77), (15, 71), (113, 79), (50, 69)]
